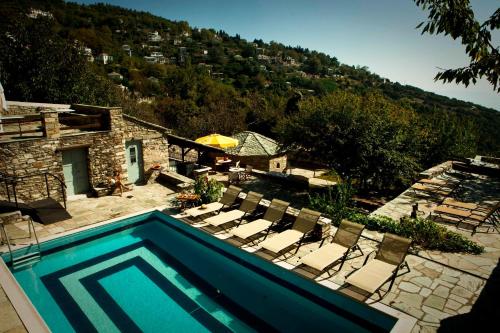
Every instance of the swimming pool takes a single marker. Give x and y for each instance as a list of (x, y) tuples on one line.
[(153, 273)]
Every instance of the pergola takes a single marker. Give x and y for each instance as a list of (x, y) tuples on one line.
[(187, 145)]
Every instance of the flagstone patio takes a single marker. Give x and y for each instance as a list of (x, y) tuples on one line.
[(441, 290)]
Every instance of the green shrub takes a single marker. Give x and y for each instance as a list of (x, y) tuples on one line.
[(334, 202), (208, 190), (424, 233)]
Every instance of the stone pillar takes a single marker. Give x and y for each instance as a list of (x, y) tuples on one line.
[(116, 119), (117, 131), (50, 123)]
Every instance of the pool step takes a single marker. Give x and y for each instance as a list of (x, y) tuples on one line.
[(27, 259)]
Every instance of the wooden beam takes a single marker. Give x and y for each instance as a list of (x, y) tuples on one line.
[(73, 147)]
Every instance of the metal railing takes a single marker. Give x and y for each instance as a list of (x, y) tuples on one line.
[(11, 181)]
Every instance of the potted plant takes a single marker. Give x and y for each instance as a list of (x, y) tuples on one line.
[(209, 190)]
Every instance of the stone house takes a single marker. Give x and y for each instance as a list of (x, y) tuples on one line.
[(259, 151), (79, 144)]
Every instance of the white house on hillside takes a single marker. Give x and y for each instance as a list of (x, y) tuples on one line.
[(154, 37), (104, 58)]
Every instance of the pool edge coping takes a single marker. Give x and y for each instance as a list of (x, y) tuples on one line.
[(26, 311), (30, 315)]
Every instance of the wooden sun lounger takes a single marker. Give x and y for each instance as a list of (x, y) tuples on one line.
[(460, 204), (452, 211), (421, 187), (469, 217)]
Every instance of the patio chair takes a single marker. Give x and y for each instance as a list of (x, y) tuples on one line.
[(389, 259), (303, 225), (233, 177), (343, 243), (228, 199), (247, 207), (248, 172), (273, 215)]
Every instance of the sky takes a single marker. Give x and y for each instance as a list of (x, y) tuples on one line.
[(379, 34)]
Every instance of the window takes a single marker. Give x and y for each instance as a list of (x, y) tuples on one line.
[(133, 155), (278, 165)]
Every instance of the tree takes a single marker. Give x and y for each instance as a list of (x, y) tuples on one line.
[(37, 65), (362, 137), (456, 18)]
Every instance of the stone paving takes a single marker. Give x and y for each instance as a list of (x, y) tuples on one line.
[(431, 292), (86, 211), (456, 292), (474, 188)]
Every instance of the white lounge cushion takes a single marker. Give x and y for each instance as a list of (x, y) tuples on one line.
[(197, 211), (224, 218), (371, 276), (282, 240), (250, 229), (324, 256)]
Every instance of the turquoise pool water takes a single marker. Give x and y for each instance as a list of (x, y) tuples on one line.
[(152, 273)]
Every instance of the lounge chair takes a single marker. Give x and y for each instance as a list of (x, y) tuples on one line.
[(455, 203), (390, 258), (343, 243), (227, 201), (303, 225), (273, 215), (491, 216), (247, 207), (429, 190), (467, 215)]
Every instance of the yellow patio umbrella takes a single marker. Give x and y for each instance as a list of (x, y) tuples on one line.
[(217, 140)]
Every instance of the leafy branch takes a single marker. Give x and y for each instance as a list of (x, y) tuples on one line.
[(456, 19)]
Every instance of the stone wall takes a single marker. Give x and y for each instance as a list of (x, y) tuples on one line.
[(277, 163), (153, 139), (105, 152), (436, 170), (264, 163), (31, 157), (15, 108), (175, 152)]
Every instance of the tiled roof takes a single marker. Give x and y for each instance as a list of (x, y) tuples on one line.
[(253, 144)]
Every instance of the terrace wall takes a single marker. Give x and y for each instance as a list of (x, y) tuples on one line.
[(26, 108)]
